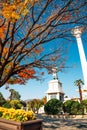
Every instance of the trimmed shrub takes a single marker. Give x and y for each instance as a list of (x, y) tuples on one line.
[(73, 107), (53, 106)]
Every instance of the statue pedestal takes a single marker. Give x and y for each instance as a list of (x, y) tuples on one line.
[(55, 90)]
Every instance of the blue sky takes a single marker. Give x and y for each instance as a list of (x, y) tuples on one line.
[(37, 89)]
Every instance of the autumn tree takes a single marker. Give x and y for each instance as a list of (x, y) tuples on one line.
[(44, 100), (35, 104), (27, 28)]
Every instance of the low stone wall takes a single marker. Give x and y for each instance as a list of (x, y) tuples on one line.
[(62, 116)]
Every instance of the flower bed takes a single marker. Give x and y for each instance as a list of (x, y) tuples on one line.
[(16, 115), (27, 125), (11, 119)]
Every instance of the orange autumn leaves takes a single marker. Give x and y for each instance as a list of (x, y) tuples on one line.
[(22, 77), (2, 29), (2, 32), (26, 73), (13, 10)]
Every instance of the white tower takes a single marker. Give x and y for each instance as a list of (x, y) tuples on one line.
[(77, 31), (55, 87)]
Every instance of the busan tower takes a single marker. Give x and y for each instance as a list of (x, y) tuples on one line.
[(77, 31)]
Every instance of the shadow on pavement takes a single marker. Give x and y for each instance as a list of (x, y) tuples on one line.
[(52, 123)]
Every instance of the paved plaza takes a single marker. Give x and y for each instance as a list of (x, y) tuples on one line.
[(52, 123)]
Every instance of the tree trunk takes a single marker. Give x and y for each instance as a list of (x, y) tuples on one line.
[(80, 93)]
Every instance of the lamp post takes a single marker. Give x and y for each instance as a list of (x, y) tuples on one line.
[(77, 31)]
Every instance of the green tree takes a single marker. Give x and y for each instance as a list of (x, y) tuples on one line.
[(53, 106), (2, 99), (23, 103), (16, 104), (27, 28), (14, 95), (79, 83), (35, 104), (39, 103)]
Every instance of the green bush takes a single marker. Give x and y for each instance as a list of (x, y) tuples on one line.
[(53, 106), (73, 107), (84, 104), (7, 105), (0, 113), (67, 106)]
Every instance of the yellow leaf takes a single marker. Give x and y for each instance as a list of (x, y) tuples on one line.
[(32, 35), (15, 15), (26, 1), (25, 12)]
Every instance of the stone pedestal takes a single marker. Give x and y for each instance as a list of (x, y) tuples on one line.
[(55, 90)]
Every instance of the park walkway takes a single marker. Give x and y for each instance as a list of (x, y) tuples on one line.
[(52, 123)]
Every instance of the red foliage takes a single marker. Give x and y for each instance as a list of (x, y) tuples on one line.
[(19, 81), (66, 17), (22, 77), (26, 73)]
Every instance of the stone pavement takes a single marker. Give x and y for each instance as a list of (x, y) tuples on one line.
[(52, 123)]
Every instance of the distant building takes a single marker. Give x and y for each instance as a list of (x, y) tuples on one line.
[(66, 98), (55, 87), (75, 99)]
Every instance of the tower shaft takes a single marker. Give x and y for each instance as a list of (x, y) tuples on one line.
[(77, 31), (82, 59)]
